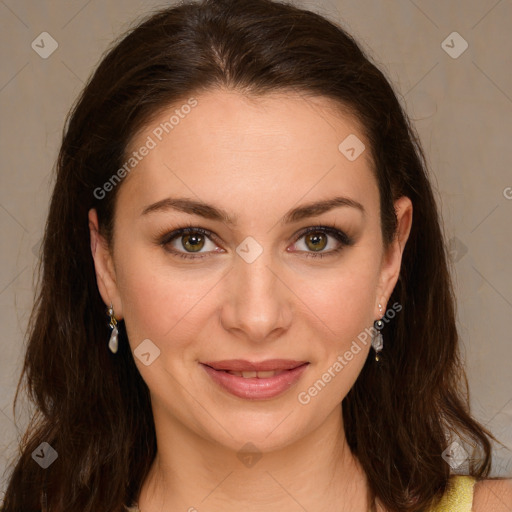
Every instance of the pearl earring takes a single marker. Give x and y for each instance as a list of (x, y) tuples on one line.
[(113, 342)]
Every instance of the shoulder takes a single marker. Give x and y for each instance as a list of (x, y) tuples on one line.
[(493, 495)]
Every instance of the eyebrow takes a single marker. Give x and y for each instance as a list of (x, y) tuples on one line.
[(211, 212)]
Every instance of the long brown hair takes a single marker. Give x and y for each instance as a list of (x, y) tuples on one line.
[(93, 407)]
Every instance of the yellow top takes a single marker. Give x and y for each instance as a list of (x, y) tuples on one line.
[(457, 498)]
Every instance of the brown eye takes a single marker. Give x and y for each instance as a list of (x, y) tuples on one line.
[(316, 241), (193, 242), (189, 242)]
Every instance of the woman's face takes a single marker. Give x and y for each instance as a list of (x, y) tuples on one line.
[(255, 287)]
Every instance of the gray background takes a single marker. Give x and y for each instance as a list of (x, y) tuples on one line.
[(461, 107)]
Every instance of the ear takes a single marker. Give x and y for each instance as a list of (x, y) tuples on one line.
[(392, 257), (104, 265)]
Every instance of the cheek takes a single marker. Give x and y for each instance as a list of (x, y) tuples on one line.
[(341, 304), (343, 296), (157, 301)]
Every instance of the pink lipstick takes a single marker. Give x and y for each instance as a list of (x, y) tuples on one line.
[(255, 380)]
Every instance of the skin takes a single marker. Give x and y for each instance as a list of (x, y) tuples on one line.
[(256, 159)]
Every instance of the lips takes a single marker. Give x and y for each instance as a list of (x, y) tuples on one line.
[(241, 365), (253, 375), (255, 381)]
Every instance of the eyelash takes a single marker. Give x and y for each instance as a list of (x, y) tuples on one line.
[(340, 236)]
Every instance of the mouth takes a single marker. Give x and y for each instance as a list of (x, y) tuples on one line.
[(255, 381), (252, 375)]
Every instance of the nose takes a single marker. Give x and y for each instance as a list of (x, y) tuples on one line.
[(258, 304)]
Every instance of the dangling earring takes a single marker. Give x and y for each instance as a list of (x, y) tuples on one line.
[(377, 340), (113, 341)]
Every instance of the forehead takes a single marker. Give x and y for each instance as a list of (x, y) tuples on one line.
[(225, 145)]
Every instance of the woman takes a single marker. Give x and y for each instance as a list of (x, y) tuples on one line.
[(239, 189)]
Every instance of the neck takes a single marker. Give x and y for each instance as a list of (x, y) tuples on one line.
[(192, 473)]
